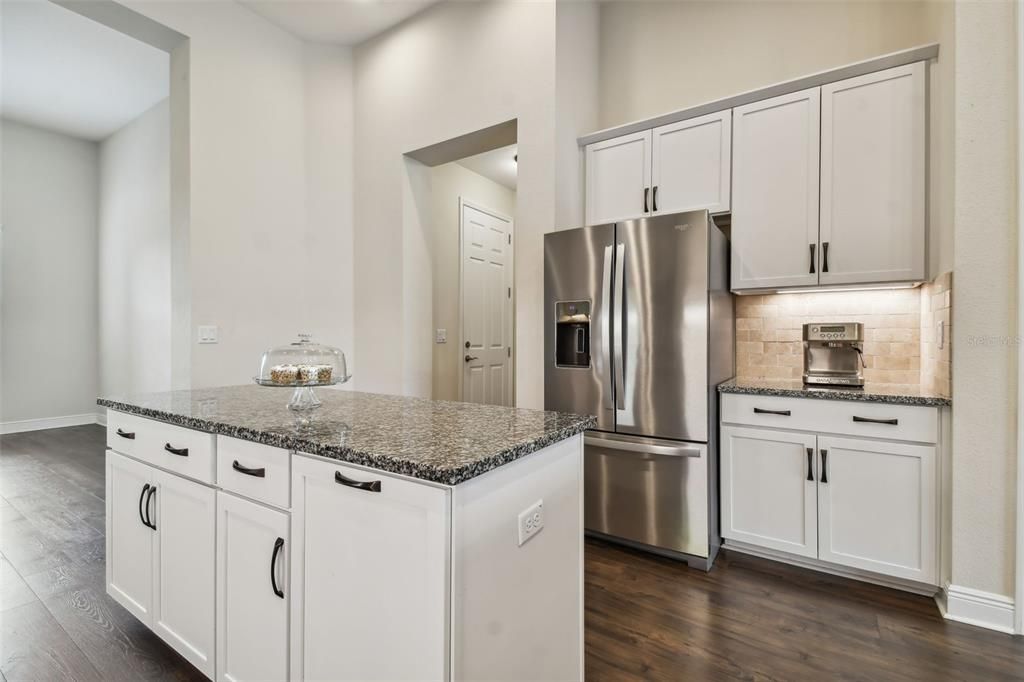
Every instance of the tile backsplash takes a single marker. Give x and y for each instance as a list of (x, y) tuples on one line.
[(897, 348), (936, 316)]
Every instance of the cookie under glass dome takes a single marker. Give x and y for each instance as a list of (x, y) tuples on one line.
[(302, 365)]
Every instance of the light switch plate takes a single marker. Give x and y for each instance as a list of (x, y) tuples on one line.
[(441, 336), (208, 334)]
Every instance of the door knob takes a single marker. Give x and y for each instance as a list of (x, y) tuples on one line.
[(470, 358)]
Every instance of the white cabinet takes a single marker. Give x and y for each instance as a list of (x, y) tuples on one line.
[(873, 177), (130, 539), (252, 599), (618, 178), (160, 554), (184, 516), (775, 192), (877, 506), (691, 164), (369, 576), (866, 503), (769, 490)]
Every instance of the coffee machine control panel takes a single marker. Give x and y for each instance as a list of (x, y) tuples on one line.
[(849, 331)]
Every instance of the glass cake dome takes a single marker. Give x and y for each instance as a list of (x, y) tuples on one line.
[(303, 365)]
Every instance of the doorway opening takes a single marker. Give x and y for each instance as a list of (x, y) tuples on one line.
[(467, 204)]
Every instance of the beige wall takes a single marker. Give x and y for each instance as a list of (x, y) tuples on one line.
[(661, 56), (984, 317), (451, 70), (449, 183)]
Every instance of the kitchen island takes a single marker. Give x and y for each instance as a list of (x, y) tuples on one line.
[(384, 538)]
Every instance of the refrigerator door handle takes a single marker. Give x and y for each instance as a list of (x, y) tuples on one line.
[(646, 448), (619, 325), (604, 330)]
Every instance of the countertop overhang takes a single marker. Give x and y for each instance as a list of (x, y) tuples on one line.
[(871, 393), (434, 440)]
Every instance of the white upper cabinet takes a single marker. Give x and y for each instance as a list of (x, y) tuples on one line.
[(873, 177), (775, 192), (619, 178), (692, 163), (877, 506)]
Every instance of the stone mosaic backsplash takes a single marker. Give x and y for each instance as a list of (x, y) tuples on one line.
[(769, 327)]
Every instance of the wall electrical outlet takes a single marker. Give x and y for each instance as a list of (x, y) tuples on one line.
[(208, 334), (531, 521), (441, 336)]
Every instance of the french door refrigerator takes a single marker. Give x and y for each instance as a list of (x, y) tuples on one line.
[(639, 331)]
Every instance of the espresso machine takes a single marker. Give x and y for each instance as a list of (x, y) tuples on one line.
[(834, 354)]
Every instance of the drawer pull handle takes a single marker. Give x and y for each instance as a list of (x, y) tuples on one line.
[(142, 495), (781, 413), (149, 519), (181, 452), (258, 473), (869, 420), (278, 546), (824, 466), (810, 464), (372, 486), (130, 435)]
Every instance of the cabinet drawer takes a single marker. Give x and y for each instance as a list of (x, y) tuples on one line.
[(260, 472), (174, 448), (869, 420)]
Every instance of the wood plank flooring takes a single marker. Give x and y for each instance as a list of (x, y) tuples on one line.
[(647, 618)]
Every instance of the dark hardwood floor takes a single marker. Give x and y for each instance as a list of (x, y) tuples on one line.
[(647, 618)]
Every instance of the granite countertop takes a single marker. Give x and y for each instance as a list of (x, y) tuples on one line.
[(440, 441), (871, 393)]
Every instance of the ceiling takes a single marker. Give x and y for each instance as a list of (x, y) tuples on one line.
[(498, 165), (70, 74), (339, 22)]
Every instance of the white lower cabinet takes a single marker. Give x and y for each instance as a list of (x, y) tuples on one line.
[(877, 506), (769, 493), (252, 599), (130, 539), (166, 579), (369, 576), (864, 503)]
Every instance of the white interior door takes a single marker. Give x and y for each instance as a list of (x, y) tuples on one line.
[(486, 306)]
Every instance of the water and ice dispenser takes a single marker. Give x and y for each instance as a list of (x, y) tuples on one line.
[(572, 335)]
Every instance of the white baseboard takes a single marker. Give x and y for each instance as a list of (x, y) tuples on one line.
[(47, 423), (974, 607), (902, 584)]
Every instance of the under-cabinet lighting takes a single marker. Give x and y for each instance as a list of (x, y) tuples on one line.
[(826, 289)]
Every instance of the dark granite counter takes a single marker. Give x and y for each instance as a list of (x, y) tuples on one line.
[(869, 394), (444, 442)]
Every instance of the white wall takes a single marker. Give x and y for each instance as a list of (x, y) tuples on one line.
[(984, 307), (661, 56), (448, 183), (135, 256), (260, 232), (577, 98), (48, 307), (451, 70)]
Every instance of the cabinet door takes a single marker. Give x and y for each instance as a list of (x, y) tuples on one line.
[(876, 506), (185, 515), (769, 494), (130, 542), (775, 192), (252, 602), (369, 575), (873, 177), (692, 163), (619, 178)]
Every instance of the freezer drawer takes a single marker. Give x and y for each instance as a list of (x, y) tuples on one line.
[(653, 492)]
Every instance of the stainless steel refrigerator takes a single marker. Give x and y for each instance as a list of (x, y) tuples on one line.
[(639, 331)]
